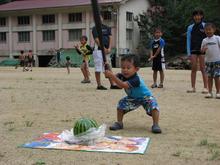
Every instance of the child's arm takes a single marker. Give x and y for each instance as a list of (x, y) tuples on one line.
[(156, 53), (114, 78), (77, 49), (151, 55), (89, 50), (203, 47)]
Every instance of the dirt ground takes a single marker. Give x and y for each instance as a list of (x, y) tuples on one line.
[(49, 100)]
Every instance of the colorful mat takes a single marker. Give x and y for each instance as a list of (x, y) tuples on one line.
[(130, 145)]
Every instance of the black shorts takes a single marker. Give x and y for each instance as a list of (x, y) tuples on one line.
[(196, 52), (158, 65)]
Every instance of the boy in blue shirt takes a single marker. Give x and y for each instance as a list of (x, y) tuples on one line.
[(137, 93), (157, 55)]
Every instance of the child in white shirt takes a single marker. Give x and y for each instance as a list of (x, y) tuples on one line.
[(211, 47)]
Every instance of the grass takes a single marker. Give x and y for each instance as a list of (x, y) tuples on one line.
[(177, 153), (213, 148), (67, 120), (215, 155), (29, 123), (1, 155), (39, 162), (7, 88), (29, 78), (9, 123), (204, 142), (11, 129)]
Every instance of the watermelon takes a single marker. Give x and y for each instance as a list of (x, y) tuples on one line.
[(83, 124)]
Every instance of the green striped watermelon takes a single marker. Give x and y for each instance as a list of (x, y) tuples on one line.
[(83, 124)]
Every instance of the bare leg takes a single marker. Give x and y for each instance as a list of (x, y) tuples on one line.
[(155, 116), (98, 78), (210, 83), (155, 77), (68, 69), (83, 71), (202, 68), (120, 115), (161, 77), (86, 68), (193, 71), (217, 84)]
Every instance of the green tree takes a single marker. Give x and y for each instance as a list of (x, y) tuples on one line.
[(5, 1), (173, 16)]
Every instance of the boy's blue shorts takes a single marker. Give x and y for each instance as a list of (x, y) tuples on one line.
[(128, 104)]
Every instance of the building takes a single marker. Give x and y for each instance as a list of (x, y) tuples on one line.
[(43, 25)]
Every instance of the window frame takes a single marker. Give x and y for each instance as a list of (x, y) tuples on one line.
[(3, 19), (3, 38), (48, 19), (106, 15), (23, 20), (24, 36), (129, 16), (51, 35), (129, 34), (75, 17), (74, 37)]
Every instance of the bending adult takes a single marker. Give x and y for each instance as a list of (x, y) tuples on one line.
[(195, 35)]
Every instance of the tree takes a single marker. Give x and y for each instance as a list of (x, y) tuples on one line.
[(173, 16), (5, 1)]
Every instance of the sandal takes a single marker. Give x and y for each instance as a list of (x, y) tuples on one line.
[(116, 126), (154, 86), (193, 90), (217, 96), (160, 86), (156, 129), (209, 95), (205, 91)]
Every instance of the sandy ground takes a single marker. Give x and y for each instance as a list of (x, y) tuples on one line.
[(49, 99)]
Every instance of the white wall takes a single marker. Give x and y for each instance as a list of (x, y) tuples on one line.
[(136, 7)]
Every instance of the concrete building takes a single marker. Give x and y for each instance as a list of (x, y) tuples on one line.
[(43, 25)]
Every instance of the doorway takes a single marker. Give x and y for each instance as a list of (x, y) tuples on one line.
[(44, 60)]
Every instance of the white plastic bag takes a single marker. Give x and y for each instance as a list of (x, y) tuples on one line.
[(88, 138)]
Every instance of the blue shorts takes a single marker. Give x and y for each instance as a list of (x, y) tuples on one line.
[(213, 69), (128, 104)]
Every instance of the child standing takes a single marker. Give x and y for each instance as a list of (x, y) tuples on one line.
[(68, 64), (30, 59), (195, 35), (137, 93), (85, 50), (211, 47), (157, 55)]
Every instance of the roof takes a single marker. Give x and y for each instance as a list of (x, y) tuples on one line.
[(39, 4)]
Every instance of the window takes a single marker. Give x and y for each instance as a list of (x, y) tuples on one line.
[(2, 21), (23, 36), (47, 19), (48, 35), (23, 20), (2, 36), (129, 34), (75, 17), (129, 16), (75, 34), (142, 35), (106, 15)]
